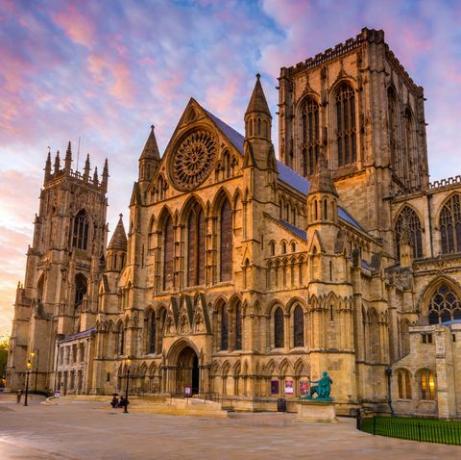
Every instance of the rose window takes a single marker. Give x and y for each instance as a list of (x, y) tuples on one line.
[(193, 160)]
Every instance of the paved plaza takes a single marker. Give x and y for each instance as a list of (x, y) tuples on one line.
[(91, 430)]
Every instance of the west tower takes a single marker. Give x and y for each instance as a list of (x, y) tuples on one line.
[(64, 263)]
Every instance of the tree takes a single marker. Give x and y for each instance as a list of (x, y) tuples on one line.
[(3, 359)]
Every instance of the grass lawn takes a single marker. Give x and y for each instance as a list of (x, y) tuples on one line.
[(417, 429)]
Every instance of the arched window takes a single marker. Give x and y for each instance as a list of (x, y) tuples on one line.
[(225, 242), (196, 246), (238, 326), (409, 144), (310, 135), (224, 321), (272, 248), (444, 306), (278, 328), (426, 382), (80, 289), (392, 123), (168, 253), (345, 124), (404, 384), (120, 344), (151, 332), (450, 225), (80, 231), (408, 221), (298, 326)]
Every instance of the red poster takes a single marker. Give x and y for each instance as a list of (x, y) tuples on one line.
[(303, 387)]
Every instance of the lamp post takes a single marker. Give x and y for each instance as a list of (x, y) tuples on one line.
[(388, 371), (29, 366), (128, 364)]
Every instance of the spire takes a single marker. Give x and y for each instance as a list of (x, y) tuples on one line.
[(68, 159), (86, 169), (258, 102), (95, 176), (118, 240), (48, 166), (105, 175), (57, 163), (150, 150), (321, 181)]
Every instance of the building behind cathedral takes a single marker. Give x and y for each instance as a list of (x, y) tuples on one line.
[(244, 276)]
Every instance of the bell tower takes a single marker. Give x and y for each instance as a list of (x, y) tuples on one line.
[(64, 265)]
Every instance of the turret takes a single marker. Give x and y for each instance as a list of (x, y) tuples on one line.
[(116, 251), (150, 158), (48, 167), (86, 169), (68, 159), (258, 118), (322, 197), (105, 176)]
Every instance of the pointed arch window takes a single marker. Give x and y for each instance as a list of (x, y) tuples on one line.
[(151, 332), (168, 253), (409, 144), (444, 306), (196, 246), (392, 123), (345, 124), (225, 242), (80, 289), (426, 382), (279, 335), (298, 326), (310, 135), (80, 231), (224, 321), (120, 349), (238, 326), (404, 383), (409, 221), (450, 225)]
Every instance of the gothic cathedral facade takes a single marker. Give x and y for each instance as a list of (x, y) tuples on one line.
[(243, 276)]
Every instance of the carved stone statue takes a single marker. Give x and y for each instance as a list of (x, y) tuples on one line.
[(322, 389)]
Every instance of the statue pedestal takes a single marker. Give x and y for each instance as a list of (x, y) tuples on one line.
[(316, 411)]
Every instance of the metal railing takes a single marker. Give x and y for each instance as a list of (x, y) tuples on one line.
[(426, 430)]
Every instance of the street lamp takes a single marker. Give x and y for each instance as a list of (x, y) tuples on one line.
[(29, 367), (128, 364), (388, 371)]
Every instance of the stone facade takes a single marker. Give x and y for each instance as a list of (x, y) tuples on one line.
[(242, 277)]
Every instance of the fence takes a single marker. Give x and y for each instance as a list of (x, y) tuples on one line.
[(428, 430)]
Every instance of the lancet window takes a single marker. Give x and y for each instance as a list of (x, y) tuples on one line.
[(168, 253), (450, 225), (444, 306), (80, 231), (408, 221), (225, 241), (196, 246), (345, 124), (310, 135)]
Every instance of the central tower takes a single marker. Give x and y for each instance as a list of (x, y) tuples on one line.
[(357, 106)]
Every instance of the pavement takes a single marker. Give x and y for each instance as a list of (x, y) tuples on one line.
[(92, 430)]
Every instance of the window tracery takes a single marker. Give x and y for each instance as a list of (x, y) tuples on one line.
[(196, 232), (168, 253), (80, 231), (444, 306), (409, 221), (310, 135), (279, 335), (345, 124), (450, 225), (298, 326), (225, 242)]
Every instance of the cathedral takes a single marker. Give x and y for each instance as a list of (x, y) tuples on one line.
[(243, 274)]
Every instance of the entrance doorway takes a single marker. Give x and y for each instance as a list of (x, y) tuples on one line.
[(187, 371)]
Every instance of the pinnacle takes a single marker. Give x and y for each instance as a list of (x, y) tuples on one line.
[(150, 150), (258, 102), (321, 181), (119, 240)]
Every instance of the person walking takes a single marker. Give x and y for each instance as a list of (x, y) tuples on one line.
[(114, 403), (18, 396)]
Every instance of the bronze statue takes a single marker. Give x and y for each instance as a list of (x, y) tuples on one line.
[(322, 389)]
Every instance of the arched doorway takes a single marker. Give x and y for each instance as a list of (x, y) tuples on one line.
[(187, 371)]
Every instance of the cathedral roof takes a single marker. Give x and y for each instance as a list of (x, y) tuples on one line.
[(118, 240)]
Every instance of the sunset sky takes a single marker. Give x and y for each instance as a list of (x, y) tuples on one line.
[(105, 71)]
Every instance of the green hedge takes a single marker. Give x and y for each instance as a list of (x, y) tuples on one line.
[(416, 429)]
